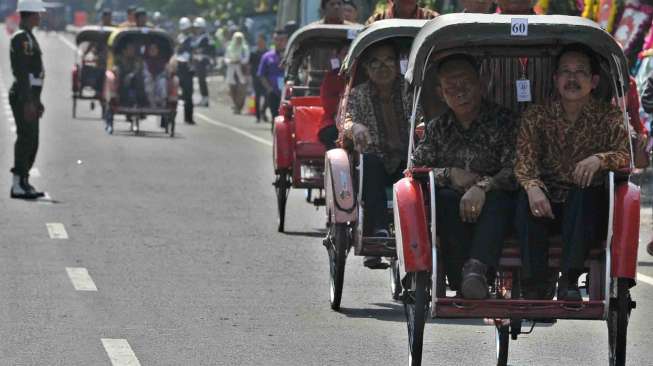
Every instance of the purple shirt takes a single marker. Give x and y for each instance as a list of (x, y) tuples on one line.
[(269, 69)]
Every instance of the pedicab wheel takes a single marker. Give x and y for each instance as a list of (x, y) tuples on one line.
[(282, 188), (395, 281), (502, 333), (416, 308), (618, 318), (74, 107), (338, 249)]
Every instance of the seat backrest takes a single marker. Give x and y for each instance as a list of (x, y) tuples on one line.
[(307, 123)]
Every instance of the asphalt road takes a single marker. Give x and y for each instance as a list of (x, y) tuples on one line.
[(170, 256)]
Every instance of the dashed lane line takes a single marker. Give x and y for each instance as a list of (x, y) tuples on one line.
[(234, 129), (644, 278), (80, 278), (120, 353), (56, 230)]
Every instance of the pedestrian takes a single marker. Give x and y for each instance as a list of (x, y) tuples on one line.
[(131, 18), (333, 12), (272, 74), (184, 68), (140, 18), (350, 11), (107, 18), (259, 90), (237, 59), (404, 9), (203, 54), (25, 96)]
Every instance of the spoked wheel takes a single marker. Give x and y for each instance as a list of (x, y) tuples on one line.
[(395, 281), (502, 333), (282, 188), (416, 306), (338, 248), (618, 317)]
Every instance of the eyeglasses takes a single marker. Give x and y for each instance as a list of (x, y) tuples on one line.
[(376, 63), (576, 74)]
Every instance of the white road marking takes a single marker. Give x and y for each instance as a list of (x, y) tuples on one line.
[(56, 230), (234, 129), (35, 173), (68, 43), (644, 278), (80, 278), (120, 353)]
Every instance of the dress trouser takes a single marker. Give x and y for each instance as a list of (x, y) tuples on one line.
[(201, 68), (27, 137), (186, 83), (274, 100), (259, 92), (581, 220), (375, 181), (481, 240)]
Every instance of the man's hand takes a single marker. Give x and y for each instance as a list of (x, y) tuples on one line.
[(462, 179), (539, 203), (585, 171), (30, 112), (361, 136), (471, 204)]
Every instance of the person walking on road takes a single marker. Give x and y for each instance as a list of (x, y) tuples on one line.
[(271, 73), (25, 96), (184, 60), (203, 55), (259, 90), (237, 59)]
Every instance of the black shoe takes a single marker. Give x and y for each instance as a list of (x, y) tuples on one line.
[(568, 289), (30, 189), (190, 122), (374, 263), (474, 285)]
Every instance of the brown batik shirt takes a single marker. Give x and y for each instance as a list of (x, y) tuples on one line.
[(549, 147), (486, 147)]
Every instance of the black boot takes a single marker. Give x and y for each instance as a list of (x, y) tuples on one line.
[(568, 288), (29, 188), (474, 285)]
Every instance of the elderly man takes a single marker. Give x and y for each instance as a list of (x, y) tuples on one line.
[(563, 153), (405, 9), (471, 148), (376, 121)]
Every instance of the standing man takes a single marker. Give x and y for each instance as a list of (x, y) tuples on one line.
[(131, 18), (564, 151), (25, 96), (404, 9), (184, 68), (259, 91), (271, 73), (203, 54)]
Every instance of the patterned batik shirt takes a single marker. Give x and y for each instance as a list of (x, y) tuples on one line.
[(549, 147), (365, 107), (486, 147)]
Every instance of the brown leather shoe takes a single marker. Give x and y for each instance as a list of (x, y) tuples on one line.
[(474, 285)]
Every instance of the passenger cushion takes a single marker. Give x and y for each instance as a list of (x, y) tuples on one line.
[(307, 125)]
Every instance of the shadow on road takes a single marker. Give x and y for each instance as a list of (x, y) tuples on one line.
[(645, 264), (148, 134), (318, 233), (385, 311)]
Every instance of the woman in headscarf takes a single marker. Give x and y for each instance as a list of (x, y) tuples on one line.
[(237, 57)]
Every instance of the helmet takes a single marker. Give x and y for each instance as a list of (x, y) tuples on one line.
[(184, 24), (199, 22), (33, 6)]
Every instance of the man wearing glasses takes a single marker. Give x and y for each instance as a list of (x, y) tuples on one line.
[(563, 153)]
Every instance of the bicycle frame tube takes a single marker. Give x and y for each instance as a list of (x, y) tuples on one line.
[(359, 200), (434, 250), (608, 247), (413, 116)]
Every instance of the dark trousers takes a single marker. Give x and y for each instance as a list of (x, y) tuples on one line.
[(274, 100), (481, 240), (27, 138), (328, 136), (375, 181), (186, 84), (201, 68), (581, 220), (259, 92)]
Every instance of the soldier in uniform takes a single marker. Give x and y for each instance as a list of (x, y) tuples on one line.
[(25, 96), (184, 60)]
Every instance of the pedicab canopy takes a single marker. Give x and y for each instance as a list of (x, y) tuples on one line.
[(379, 31), (142, 37), (478, 34), (316, 33), (94, 33)]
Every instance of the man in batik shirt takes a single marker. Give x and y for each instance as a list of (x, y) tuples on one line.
[(403, 9), (471, 148), (563, 153)]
